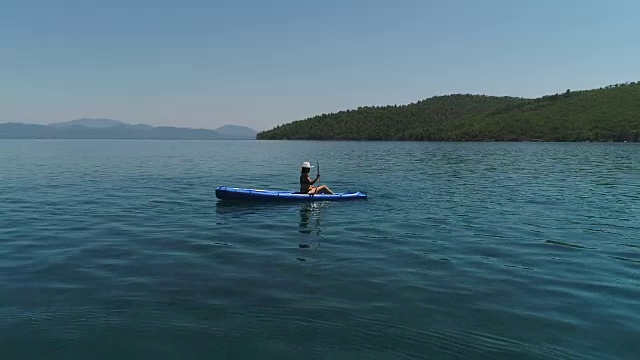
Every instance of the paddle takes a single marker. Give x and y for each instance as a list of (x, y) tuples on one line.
[(317, 176)]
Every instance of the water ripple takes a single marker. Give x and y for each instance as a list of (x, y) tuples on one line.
[(115, 249)]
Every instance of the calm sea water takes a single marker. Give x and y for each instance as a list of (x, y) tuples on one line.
[(119, 249)]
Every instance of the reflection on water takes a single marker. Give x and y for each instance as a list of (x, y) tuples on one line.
[(309, 227), (308, 221), (309, 212)]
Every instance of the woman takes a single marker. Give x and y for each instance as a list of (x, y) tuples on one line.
[(306, 182)]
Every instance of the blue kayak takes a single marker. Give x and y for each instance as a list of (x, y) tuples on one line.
[(232, 193)]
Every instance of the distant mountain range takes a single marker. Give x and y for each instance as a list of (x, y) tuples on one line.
[(114, 129)]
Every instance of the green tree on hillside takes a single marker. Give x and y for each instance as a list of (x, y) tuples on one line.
[(611, 113)]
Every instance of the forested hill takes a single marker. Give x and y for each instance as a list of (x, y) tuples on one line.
[(611, 113)]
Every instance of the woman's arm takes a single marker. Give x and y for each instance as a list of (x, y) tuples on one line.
[(309, 181)]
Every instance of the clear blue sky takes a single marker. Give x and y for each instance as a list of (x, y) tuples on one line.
[(263, 63)]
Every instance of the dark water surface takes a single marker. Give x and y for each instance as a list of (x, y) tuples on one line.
[(119, 249)]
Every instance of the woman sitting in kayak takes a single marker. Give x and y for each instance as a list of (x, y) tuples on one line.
[(306, 182)]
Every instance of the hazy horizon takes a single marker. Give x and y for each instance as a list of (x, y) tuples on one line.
[(205, 64), (104, 118)]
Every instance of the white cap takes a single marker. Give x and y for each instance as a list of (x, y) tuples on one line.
[(306, 165)]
